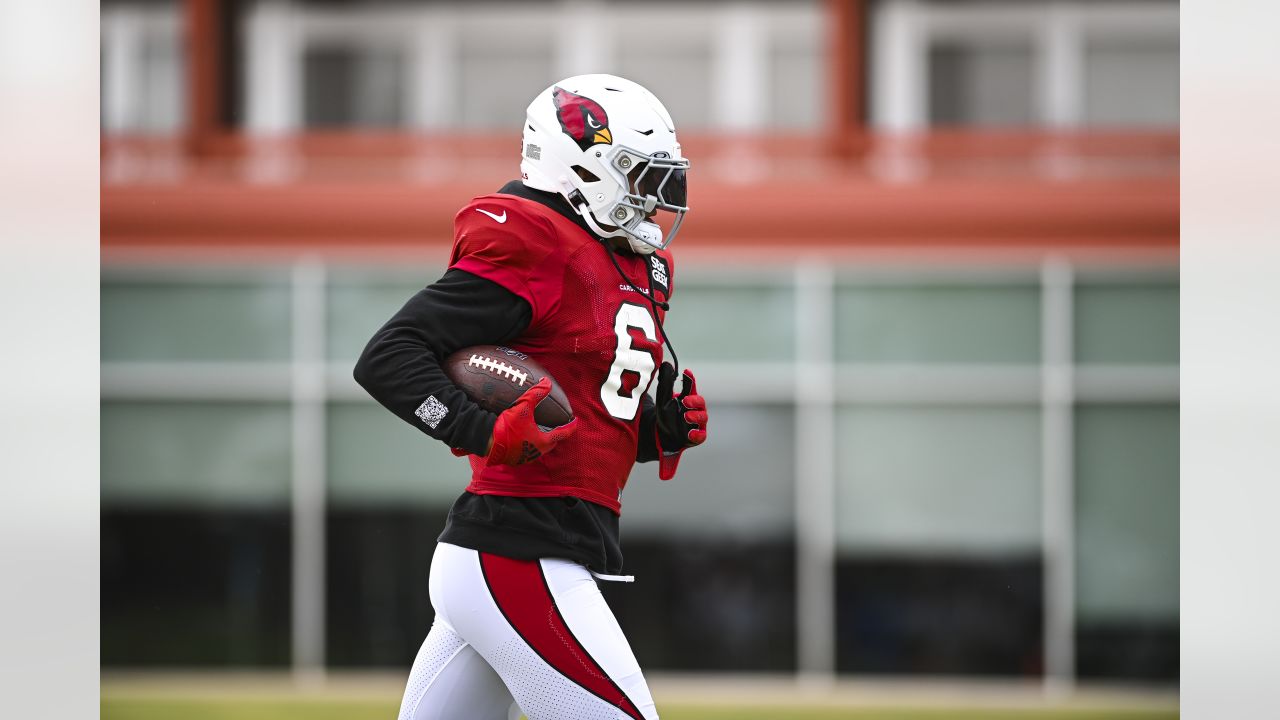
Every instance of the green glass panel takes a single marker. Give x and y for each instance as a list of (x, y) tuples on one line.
[(1127, 511), (741, 482), (202, 454), (358, 306), (732, 324), (1127, 323), (712, 323), (938, 479), (188, 321), (376, 458), (938, 324)]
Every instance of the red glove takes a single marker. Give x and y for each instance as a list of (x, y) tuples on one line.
[(517, 439), (682, 419)]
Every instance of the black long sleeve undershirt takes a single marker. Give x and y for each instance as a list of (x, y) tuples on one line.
[(400, 366)]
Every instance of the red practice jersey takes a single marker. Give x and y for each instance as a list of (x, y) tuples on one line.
[(594, 333)]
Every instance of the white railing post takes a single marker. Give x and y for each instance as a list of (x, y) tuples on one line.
[(434, 70), (274, 69), (815, 472), (1061, 51), (899, 72), (739, 68), (308, 489), (1057, 473)]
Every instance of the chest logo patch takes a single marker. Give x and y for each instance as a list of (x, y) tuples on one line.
[(660, 274), (500, 218)]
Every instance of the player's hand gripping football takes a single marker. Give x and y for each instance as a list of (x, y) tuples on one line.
[(682, 419), (517, 439)]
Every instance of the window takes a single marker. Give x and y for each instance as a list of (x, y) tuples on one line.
[(976, 488), (1127, 540), (939, 323), (221, 455), (1126, 322), (353, 86), (1131, 82), (797, 68), (756, 481), (195, 533), (143, 69), (1127, 511), (202, 321), (985, 83), (677, 69), (702, 333), (498, 78), (375, 459)]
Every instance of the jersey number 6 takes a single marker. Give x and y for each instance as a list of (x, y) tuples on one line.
[(623, 405)]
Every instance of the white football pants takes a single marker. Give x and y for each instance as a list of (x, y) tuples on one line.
[(536, 631)]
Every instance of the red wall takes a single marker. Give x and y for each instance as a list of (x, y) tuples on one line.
[(368, 194)]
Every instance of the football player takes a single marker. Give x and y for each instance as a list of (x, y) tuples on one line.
[(568, 266)]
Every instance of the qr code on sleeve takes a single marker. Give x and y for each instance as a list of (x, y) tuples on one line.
[(432, 411)]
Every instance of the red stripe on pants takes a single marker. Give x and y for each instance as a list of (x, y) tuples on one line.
[(525, 600)]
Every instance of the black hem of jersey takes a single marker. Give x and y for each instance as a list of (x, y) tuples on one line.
[(514, 543)]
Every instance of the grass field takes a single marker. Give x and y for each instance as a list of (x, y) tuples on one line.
[(375, 696), (228, 709)]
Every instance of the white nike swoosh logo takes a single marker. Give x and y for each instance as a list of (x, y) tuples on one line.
[(500, 218)]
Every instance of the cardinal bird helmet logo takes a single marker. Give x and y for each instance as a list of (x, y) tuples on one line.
[(581, 118)]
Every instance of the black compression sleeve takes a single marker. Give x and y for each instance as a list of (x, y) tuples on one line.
[(400, 367)]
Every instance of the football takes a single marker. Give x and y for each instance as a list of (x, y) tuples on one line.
[(495, 376)]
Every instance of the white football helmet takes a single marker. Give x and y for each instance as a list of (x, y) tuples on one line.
[(609, 147)]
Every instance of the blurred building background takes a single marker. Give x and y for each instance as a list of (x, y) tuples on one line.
[(929, 285)]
